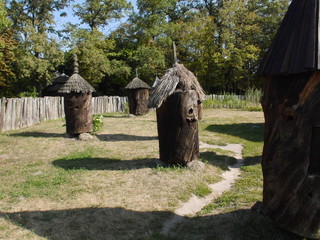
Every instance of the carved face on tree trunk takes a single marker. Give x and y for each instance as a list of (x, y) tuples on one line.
[(177, 120), (190, 106)]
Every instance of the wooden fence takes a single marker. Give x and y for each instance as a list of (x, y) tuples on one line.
[(17, 113), (221, 97)]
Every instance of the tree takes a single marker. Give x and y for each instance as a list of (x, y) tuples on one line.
[(7, 57), (98, 13), (235, 36), (38, 54)]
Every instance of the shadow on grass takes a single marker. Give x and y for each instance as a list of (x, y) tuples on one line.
[(38, 134), (120, 223), (249, 131), (221, 161), (124, 137), (252, 160), (104, 163)]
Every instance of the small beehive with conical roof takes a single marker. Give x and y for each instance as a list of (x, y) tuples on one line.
[(138, 96), (77, 103), (58, 81)]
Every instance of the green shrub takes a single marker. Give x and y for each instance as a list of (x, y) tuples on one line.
[(249, 102), (97, 123), (126, 108)]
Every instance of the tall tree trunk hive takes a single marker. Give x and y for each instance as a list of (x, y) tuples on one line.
[(138, 101), (78, 110), (177, 120), (291, 154)]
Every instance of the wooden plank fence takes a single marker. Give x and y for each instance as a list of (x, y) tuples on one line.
[(221, 97), (16, 113)]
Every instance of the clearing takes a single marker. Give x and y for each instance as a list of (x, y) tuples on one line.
[(53, 187)]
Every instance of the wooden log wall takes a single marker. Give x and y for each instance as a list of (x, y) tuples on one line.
[(16, 113)]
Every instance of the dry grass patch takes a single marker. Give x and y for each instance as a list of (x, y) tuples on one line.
[(53, 187)]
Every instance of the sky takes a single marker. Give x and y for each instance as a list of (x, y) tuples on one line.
[(60, 21)]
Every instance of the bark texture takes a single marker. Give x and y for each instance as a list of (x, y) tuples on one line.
[(177, 120), (291, 154), (78, 111), (138, 101)]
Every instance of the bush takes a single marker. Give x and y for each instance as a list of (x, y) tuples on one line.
[(126, 107), (97, 123)]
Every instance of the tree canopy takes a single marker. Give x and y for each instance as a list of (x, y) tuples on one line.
[(222, 42)]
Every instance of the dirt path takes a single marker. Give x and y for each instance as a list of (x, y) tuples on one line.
[(195, 204)]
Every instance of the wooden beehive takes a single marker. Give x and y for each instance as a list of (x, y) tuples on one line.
[(138, 96), (53, 88), (291, 154), (77, 104), (178, 97)]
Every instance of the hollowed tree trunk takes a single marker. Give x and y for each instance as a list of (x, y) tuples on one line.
[(138, 101), (78, 111), (177, 120), (291, 154)]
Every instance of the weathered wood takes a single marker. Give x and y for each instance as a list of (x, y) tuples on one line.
[(295, 49), (177, 120), (138, 101), (78, 110), (291, 154), (17, 113)]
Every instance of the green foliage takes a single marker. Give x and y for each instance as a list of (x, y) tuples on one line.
[(37, 55), (7, 46), (98, 13), (150, 60), (253, 95), (32, 93), (222, 42), (97, 123), (202, 190), (250, 102), (126, 107), (5, 23)]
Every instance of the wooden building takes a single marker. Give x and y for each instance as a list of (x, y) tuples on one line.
[(57, 82), (177, 98), (138, 96), (291, 104), (77, 103)]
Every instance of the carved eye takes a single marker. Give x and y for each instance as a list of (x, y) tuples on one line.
[(190, 111)]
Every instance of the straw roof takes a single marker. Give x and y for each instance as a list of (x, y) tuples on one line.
[(76, 84), (177, 77), (156, 82), (295, 49), (137, 83), (56, 83)]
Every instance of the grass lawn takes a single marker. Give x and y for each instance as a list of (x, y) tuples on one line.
[(53, 187)]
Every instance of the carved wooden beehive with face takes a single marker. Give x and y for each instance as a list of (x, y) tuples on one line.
[(178, 97)]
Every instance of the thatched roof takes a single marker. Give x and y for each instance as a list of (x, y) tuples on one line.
[(56, 84), (156, 82), (76, 84), (295, 48), (177, 77), (137, 83)]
